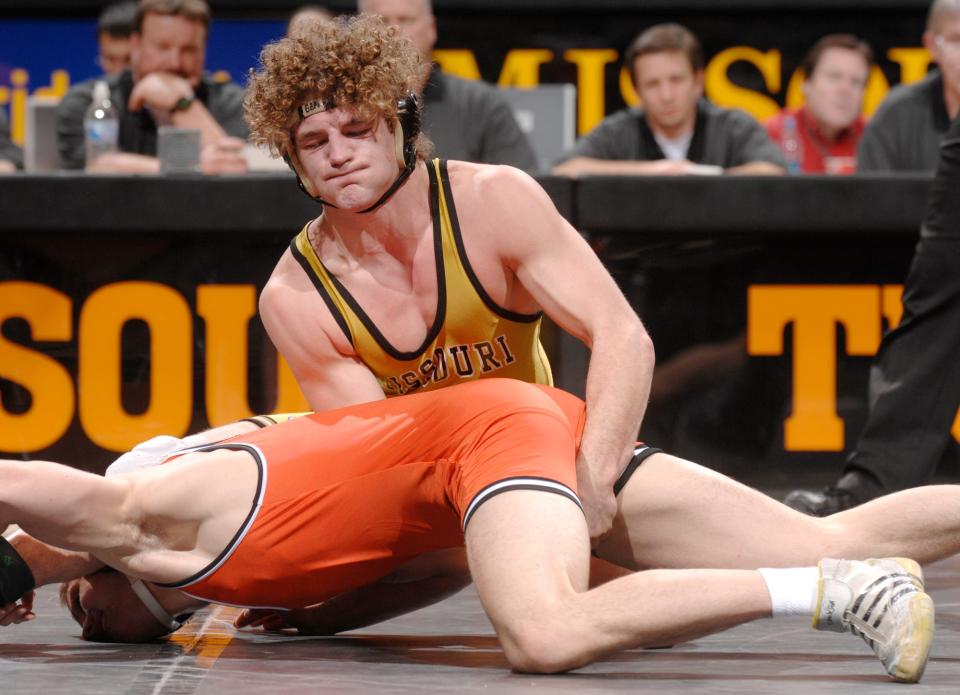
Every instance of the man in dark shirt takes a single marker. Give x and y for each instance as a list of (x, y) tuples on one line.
[(677, 132), (166, 85), (905, 132), (465, 119), (914, 387)]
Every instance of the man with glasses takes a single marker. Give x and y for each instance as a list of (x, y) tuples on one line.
[(906, 131)]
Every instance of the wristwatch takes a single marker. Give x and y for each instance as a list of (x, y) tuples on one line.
[(183, 103)]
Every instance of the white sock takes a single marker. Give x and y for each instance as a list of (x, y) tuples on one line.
[(792, 591)]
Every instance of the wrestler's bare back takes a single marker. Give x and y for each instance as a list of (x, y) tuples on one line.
[(178, 517)]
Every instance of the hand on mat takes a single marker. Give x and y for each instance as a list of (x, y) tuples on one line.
[(303, 620), (19, 612), (272, 621)]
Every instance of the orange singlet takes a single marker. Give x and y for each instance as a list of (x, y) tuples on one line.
[(346, 496)]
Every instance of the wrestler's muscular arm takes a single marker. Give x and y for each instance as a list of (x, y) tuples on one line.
[(308, 337), (517, 221)]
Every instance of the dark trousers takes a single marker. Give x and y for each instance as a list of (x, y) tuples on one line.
[(914, 386)]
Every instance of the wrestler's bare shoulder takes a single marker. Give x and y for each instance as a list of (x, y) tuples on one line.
[(287, 276), (489, 179), (496, 192), (292, 309)]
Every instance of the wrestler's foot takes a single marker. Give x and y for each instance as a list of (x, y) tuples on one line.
[(883, 602)]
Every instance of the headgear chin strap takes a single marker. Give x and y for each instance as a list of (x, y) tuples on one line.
[(406, 128)]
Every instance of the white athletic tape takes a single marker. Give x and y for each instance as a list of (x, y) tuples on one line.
[(152, 452)]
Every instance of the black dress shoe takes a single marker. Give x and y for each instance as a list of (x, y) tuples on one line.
[(828, 501)]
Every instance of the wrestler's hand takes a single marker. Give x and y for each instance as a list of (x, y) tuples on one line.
[(19, 612), (599, 502), (303, 620), (271, 621)]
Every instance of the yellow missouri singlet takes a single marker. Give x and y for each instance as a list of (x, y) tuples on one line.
[(471, 337)]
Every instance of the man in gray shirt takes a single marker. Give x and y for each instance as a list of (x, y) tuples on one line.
[(465, 119), (678, 132), (905, 132), (166, 85)]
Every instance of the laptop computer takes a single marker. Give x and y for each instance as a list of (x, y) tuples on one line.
[(548, 116)]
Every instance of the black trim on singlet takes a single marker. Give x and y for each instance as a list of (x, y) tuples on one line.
[(640, 454), (462, 252), (258, 420), (521, 482), (368, 323), (327, 299), (244, 527)]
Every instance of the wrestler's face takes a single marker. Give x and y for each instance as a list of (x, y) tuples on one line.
[(349, 161), (108, 610), (834, 92), (169, 43), (413, 18), (943, 42), (669, 87)]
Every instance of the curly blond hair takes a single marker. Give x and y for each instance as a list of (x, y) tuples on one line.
[(358, 62)]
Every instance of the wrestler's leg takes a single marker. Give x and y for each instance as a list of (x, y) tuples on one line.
[(528, 553), (674, 513)]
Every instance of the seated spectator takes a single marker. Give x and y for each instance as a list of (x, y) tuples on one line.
[(165, 84), (113, 36), (905, 132), (676, 131), (11, 157), (465, 119), (826, 130), (304, 16)]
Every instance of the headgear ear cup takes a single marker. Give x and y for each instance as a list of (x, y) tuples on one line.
[(302, 181), (408, 115)]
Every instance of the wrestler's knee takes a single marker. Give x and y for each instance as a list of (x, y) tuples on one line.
[(531, 648), (545, 642)]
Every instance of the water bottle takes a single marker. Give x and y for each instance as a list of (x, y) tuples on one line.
[(791, 145), (100, 124)]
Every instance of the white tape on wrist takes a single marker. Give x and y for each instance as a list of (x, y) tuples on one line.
[(153, 605)]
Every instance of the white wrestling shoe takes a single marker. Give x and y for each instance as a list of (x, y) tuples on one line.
[(883, 602)]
